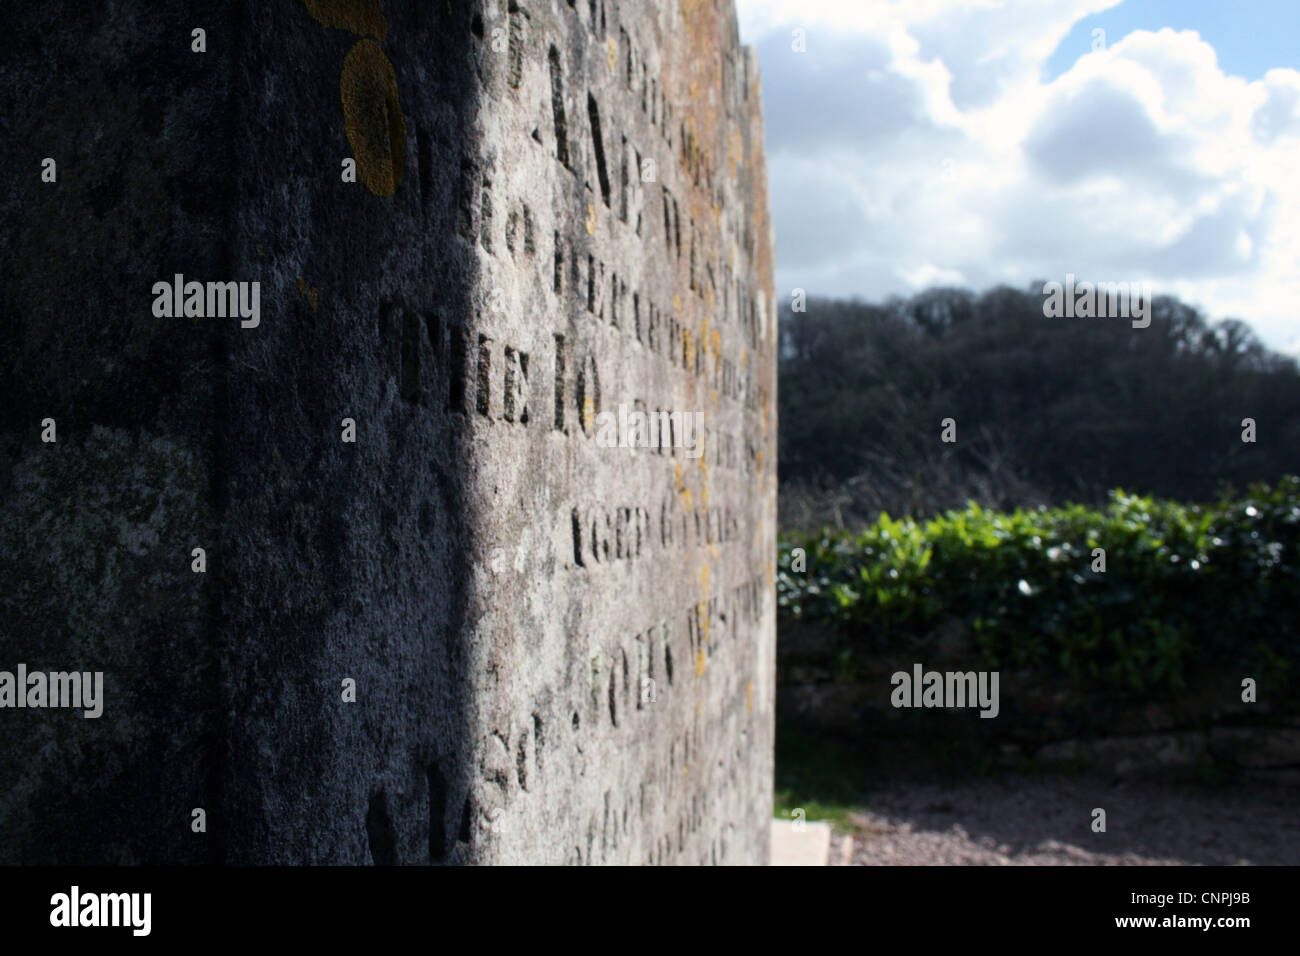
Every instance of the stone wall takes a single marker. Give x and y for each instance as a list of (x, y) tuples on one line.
[(563, 652), (1205, 729)]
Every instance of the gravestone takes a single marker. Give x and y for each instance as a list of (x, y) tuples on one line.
[(482, 468)]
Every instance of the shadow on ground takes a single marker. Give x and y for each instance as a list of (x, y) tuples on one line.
[(910, 803)]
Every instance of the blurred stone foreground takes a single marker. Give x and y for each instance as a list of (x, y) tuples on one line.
[(432, 621)]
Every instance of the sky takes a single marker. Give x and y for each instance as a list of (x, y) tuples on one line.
[(914, 143)]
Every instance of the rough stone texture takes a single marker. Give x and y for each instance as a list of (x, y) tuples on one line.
[(498, 584)]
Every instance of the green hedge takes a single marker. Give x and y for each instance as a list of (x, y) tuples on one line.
[(1187, 588)]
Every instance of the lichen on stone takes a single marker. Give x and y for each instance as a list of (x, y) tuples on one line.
[(363, 17), (373, 117)]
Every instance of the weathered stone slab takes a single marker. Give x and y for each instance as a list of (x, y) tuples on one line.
[(562, 651), (804, 844)]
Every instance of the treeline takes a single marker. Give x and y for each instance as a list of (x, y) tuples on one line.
[(1047, 410)]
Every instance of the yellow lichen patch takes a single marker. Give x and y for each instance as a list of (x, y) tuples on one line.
[(710, 336), (588, 413), (699, 661), (692, 12), (688, 343), (677, 302), (373, 118), (590, 221), (311, 295), (612, 54), (358, 16)]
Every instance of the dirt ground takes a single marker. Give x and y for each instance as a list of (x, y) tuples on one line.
[(1013, 821)]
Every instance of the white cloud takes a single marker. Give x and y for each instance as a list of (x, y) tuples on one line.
[(915, 141)]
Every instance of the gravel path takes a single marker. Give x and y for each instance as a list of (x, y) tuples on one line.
[(1047, 822)]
